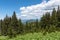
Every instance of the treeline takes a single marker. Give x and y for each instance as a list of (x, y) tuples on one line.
[(11, 26)]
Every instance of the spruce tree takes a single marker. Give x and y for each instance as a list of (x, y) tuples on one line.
[(14, 24), (53, 17), (5, 25), (20, 29), (58, 17), (1, 26)]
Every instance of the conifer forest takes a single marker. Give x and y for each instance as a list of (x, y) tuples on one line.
[(49, 23)]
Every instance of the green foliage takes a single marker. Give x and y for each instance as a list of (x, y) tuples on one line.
[(34, 36), (11, 26)]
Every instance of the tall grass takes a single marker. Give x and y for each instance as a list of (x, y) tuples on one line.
[(34, 36)]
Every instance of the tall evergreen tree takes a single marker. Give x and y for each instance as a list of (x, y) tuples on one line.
[(5, 25), (1, 27), (14, 24), (45, 21), (37, 25), (58, 17), (21, 28), (42, 21), (54, 17)]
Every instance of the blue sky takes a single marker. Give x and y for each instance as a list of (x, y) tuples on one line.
[(21, 6), (8, 6)]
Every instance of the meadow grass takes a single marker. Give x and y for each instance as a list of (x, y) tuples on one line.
[(34, 36)]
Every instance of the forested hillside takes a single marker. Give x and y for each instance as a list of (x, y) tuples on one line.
[(11, 26)]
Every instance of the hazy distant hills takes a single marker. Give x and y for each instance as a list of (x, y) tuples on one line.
[(31, 20)]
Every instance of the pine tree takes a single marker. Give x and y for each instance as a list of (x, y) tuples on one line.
[(53, 17), (5, 25), (10, 32), (14, 24), (20, 30), (42, 22), (58, 17), (1, 26), (37, 26), (45, 22), (27, 27)]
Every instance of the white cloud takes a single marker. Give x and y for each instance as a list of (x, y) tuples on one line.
[(36, 11)]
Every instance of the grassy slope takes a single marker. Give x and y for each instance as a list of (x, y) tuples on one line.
[(35, 36)]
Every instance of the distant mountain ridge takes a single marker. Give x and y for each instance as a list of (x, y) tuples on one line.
[(31, 20)]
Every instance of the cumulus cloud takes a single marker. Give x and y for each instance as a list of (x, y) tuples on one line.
[(36, 11)]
